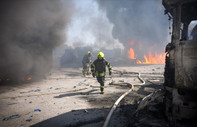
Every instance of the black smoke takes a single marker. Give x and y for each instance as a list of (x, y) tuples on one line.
[(141, 21), (29, 31)]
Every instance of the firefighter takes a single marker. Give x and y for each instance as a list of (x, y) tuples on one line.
[(98, 68), (87, 60)]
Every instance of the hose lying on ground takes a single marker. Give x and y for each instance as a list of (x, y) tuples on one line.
[(120, 98)]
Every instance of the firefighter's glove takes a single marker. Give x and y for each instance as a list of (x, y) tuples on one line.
[(93, 75), (109, 73)]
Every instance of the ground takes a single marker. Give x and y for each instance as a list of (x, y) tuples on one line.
[(66, 98)]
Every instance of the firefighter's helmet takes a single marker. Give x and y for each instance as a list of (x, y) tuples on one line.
[(100, 54), (89, 53)]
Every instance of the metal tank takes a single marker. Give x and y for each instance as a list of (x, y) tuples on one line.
[(181, 61)]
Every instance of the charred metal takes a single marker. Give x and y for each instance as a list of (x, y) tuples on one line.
[(181, 62)]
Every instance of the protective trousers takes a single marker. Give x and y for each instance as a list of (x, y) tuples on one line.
[(86, 69), (101, 81)]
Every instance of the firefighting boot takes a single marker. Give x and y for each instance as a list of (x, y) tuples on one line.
[(102, 92), (102, 89)]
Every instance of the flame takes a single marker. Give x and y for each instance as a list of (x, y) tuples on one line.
[(131, 54), (153, 59), (132, 43), (148, 59), (29, 78), (7, 79)]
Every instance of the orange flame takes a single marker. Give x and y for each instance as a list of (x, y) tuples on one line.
[(131, 54), (7, 79), (132, 43), (153, 59), (29, 78), (148, 59)]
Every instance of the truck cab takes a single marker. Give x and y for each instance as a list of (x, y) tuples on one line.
[(181, 60)]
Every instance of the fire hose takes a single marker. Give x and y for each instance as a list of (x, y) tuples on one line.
[(120, 98)]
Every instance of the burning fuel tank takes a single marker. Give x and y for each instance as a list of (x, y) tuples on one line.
[(181, 60)]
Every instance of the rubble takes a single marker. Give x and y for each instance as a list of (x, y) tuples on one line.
[(11, 117), (37, 110), (150, 98), (87, 105)]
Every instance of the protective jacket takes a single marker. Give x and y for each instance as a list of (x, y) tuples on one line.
[(86, 59), (98, 67)]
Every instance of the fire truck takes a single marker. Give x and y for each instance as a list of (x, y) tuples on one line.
[(181, 60)]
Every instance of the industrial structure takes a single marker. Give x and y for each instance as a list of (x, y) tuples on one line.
[(181, 60)]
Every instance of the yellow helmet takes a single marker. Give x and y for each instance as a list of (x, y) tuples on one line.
[(89, 52), (100, 54)]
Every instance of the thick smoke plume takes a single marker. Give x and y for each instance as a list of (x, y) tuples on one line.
[(90, 27), (73, 57), (140, 21), (29, 31), (115, 26)]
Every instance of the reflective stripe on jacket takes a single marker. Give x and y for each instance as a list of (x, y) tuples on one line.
[(99, 67)]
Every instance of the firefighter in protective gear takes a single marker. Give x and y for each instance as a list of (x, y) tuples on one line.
[(87, 60), (98, 69)]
